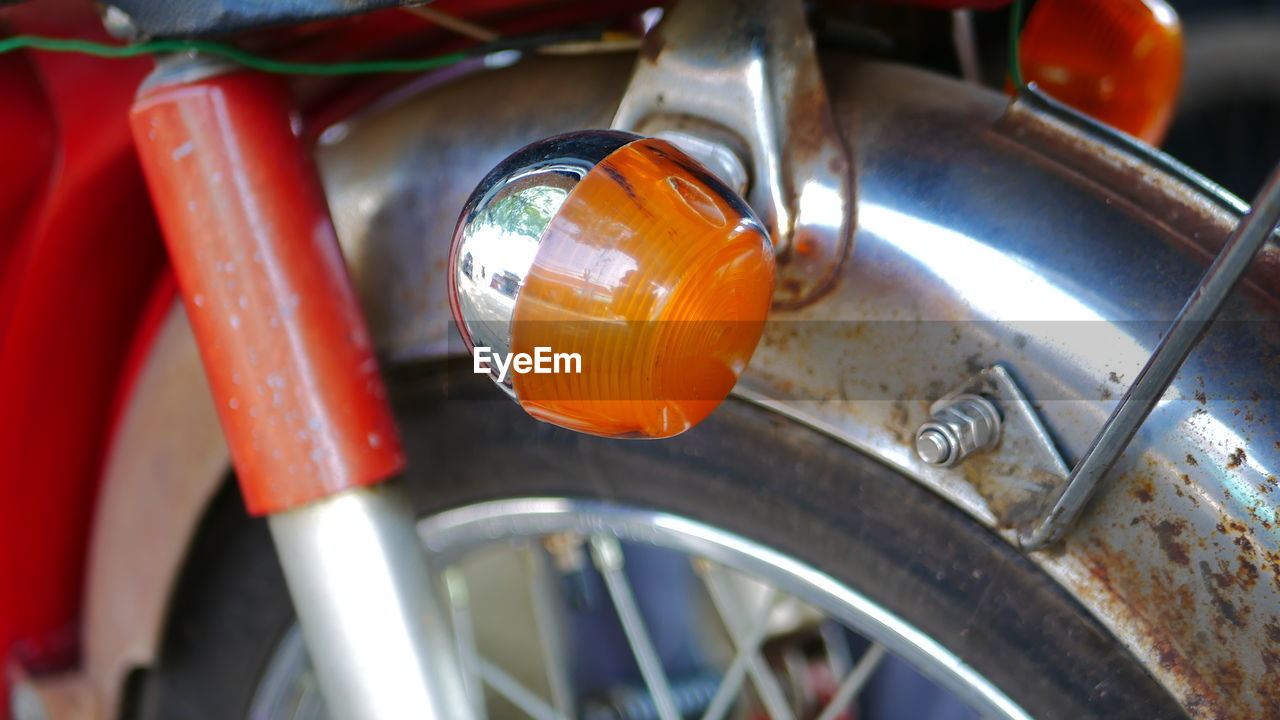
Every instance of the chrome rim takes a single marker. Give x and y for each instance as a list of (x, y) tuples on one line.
[(288, 688)]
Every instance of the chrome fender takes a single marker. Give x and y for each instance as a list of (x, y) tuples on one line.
[(985, 234)]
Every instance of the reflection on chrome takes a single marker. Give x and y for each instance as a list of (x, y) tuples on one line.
[(503, 223), (820, 205), (999, 288)]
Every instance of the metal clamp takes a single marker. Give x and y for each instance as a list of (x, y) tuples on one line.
[(744, 73), (1023, 468)]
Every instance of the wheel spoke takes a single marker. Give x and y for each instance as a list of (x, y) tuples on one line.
[(464, 637), (731, 683), (736, 622), (549, 635), (854, 682), (520, 696), (608, 557)]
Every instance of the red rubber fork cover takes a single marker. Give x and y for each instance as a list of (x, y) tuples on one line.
[(284, 345)]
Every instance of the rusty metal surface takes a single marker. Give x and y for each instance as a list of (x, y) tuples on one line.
[(972, 249), (1196, 212)]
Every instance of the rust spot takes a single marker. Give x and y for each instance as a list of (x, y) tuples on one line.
[(899, 419), (1244, 544), (1191, 460), (1272, 629), (1167, 533), (1212, 583), (1143, 493), (1169, 606), (1248, 573), (1271, 659), (1237, 458), (1169, 658), (1230, 677)]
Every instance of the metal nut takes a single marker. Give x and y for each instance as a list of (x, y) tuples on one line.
[(968, 424)]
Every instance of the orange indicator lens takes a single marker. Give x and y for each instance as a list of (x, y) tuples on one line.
[(1117, 60), (660, 279)]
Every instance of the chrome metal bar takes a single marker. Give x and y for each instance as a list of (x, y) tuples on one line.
[(520, 696), (854, 682), (360, 583), (608, 555), (738, 625), (1186, 330), (965, 40)]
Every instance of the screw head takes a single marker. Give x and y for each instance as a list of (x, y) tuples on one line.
[(967, 424), (933, 447)]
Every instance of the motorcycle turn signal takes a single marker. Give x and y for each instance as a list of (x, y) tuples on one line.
[(610, 283), (1119, 61)]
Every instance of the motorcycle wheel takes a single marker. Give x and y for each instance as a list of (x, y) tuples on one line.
[(878, 553)]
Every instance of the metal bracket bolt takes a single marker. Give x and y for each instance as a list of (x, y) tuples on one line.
[(968, 424)]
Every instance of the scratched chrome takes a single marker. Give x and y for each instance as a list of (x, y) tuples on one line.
[(984, 237)]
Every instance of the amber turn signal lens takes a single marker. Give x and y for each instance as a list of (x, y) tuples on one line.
[(1119, 61), (649, 271)]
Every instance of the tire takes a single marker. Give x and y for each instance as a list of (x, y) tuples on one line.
[(743, 470)]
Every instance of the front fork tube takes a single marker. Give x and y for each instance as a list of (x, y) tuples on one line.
[(296, 384)]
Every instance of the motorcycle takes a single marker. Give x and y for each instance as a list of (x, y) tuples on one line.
[(979, 432)]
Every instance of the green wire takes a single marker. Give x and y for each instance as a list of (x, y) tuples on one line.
[(250, 60), (1015, 29)]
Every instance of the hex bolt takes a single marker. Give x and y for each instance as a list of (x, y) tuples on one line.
[(965, 425)]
